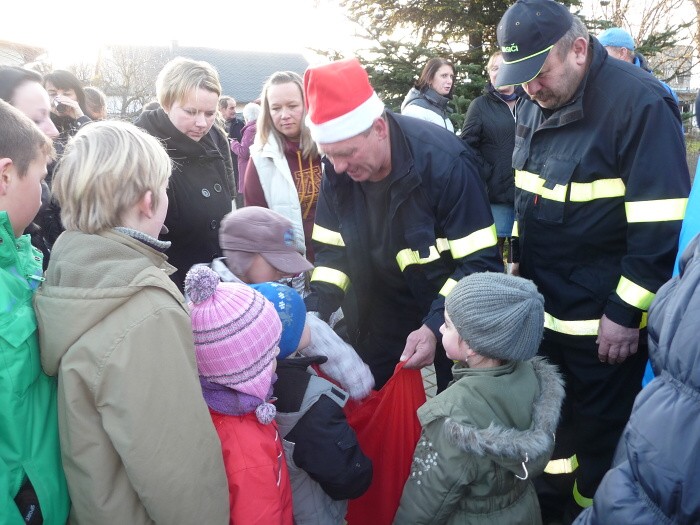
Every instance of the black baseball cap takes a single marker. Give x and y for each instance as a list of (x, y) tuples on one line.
[(526, 34)]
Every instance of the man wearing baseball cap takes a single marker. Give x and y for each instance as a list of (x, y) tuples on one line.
[(620, 44), (601, 186), (401, 217)]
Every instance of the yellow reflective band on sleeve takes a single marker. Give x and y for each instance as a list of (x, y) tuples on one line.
[(327, 236), (656, 211), (408, 257), (599, 189), (562, 466), (581, 500), (514, 232), (474, 242), (534, 184), (634, 294), (584, 327), (443, 245), (447, 287), (588, 327), (332, 276)]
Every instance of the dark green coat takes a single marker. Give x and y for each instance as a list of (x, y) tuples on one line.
[(487, 431)]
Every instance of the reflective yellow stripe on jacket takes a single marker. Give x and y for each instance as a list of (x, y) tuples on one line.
[(408, 257), (562, 466), (634, 294), (458, 248), (582, 327), (447, 287), (326, 236), (577, 191), (475, 241), (661, 210), (568, 466), (332, 276)]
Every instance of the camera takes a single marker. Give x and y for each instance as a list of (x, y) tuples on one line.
[(61, 108)]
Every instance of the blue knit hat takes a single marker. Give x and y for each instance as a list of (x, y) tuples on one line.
[(291, 310), (616, 37)]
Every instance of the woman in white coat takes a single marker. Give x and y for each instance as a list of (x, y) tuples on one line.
[(285, 172)]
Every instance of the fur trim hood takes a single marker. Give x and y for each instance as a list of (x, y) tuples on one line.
[(511, 447)]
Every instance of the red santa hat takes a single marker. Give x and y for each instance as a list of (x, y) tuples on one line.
[(340, 102)]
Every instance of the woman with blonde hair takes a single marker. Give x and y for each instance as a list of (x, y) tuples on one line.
[(489, 128), (201, 186), (285, 172)]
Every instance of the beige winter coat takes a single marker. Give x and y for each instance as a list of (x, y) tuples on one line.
[(137, 442)]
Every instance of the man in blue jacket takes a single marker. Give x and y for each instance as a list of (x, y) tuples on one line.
[(601, 187), (619, 44), (402, 215)]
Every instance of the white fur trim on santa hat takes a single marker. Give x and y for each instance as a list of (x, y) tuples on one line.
[(345, 126)]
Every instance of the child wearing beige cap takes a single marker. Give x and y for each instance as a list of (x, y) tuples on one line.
[(259, 246)]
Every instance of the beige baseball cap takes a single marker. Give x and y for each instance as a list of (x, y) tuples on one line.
[(254, 229)]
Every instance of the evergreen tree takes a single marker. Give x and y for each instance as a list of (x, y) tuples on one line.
[(403, 35)]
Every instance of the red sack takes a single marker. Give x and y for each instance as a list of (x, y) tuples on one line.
[(388, 429)]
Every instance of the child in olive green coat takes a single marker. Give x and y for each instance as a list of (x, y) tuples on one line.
[(492, 429)]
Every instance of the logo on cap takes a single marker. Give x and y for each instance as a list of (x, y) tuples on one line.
[(513, 48), (289, 237)]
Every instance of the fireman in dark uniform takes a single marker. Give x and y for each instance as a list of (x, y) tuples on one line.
[(401, 217), (601, 189)]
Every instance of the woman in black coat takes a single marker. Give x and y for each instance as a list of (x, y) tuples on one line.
[(200, 190), (489, 128)]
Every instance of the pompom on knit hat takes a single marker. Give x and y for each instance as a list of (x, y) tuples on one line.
[(292, 313), (340, 101), (236, 332), (499, 316)]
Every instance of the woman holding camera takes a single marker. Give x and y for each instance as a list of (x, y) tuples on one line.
[(67, 104)]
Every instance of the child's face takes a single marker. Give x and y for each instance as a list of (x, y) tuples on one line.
[(150, 218), (22, 195), (261, 271), (455, 347)]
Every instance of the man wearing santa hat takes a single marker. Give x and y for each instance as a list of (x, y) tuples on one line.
[(401, 217)]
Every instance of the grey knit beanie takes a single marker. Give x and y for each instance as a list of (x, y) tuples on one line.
[(500, 316)]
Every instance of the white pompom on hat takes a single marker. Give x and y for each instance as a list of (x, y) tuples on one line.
[(340, 101)]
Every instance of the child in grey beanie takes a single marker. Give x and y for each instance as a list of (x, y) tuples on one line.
[(499, 316), (492, 429)]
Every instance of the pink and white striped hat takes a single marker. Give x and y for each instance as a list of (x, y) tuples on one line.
[(236, 332)]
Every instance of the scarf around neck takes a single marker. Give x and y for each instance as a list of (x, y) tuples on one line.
[(233, 403)]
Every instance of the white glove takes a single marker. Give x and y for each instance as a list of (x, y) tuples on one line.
[(343, 365)]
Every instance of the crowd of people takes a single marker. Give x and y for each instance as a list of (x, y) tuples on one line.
[(194, 304)]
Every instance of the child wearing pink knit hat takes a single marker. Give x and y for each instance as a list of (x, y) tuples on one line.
[(236, 335)]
